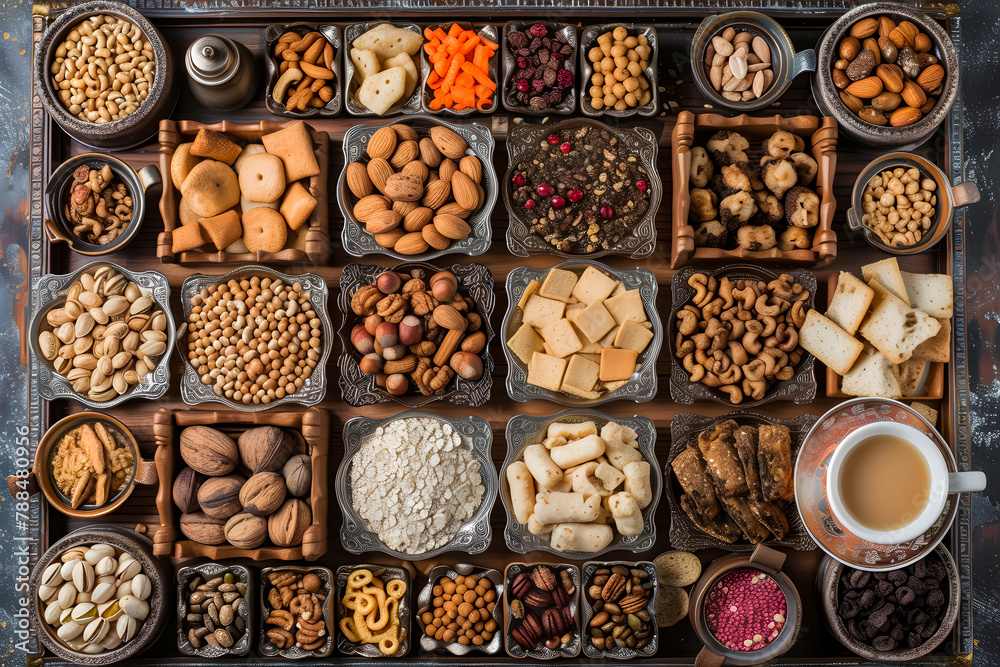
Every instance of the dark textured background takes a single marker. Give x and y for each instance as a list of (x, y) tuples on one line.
[(980, 22)]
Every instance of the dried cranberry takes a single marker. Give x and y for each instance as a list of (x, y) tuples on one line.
[(518, 180), (557, 202), (522, 62), (574, 195), (522, 85), (538, 30), (642, 185), (557, 55), (544, 190), (530, 204), (565, 147), (564, 78), (554, 139), (607, 211)]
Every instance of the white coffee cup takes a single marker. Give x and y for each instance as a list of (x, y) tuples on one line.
[(942, 483)]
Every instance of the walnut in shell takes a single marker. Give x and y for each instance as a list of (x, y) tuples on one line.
[(287, 526), (298, 475), (208, 451), (265, 448)]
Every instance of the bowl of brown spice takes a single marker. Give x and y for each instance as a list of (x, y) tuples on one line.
[(87, 465)]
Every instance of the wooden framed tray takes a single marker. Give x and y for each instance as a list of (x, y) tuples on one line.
[(182, 21)]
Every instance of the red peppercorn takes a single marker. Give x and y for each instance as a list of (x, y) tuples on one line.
[(530, 204), (544, 190), (642, 185), (558, 202), (518, 180), (553, 139), (574, 195), (607, 211), (565, 147)]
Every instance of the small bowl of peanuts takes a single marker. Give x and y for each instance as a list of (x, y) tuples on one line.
[(105, 75), (745, 60), (96, 203), (905, 204)]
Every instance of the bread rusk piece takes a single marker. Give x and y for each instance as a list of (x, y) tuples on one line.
[(211, 188), (216, 146), (895, 328), (926, 411), (223, 229), (887, 273), (933, 293), (181, 164), (910, 372), (850, 302), (187, 237), (297, 205), (829, 343), (937, 348), (295, 148), (264, 229), (872, 375)]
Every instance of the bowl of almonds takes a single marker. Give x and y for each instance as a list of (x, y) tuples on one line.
[(417, 189), (101, 335), (888, 73), (745, 60)]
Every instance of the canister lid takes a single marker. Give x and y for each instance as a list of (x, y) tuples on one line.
[(212, 60)]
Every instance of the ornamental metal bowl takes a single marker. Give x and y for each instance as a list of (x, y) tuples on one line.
[(472, 537), (246, 609)]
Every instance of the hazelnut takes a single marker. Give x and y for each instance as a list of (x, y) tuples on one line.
[(411, 330), (467, 365), (371, 364), (444, 284), (372, 322), (380, 379), (397, 384), (362, 340), (388, 282), (387, 334), (394, 353)]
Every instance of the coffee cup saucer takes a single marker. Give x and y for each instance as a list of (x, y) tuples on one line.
[(810, 486)]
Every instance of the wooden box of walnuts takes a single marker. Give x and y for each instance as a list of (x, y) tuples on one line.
[(310, 433)]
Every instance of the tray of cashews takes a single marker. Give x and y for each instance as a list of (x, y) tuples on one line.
[(580, 483), (296, 612), (373, 610)]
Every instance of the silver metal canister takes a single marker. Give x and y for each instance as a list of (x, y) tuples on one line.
[(222, 73)]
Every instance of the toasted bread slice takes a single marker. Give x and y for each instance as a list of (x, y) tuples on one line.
[(828, 342), (850, 302), (895, 328), (932, 293), (872, 375), (889, 276)]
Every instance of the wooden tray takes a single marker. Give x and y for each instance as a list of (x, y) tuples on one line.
[(181, 25), (694, 130), (315, 239), (314, 427)]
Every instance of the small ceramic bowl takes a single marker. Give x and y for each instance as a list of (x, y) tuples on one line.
[(948, 199), (331, 34), (427, 642), (827, 587), (144, 471), (785, 62), (767, 561), (132, 130), (827, 95), (59, 229), (138, 546)]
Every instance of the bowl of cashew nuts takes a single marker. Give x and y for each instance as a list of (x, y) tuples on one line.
[(733, 336)]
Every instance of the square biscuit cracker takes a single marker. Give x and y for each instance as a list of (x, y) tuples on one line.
[(558, 284), (546, 371), (295, 148), (829, 343), (617, 364), (540, 312), (932, 293), (937, 348), (594, 321), (524, 343), (594, 285), (581, 374), (633, 336), (893, 327), (887, 273), (626, 306), (561, 338), (872, 375), (850, 302)]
